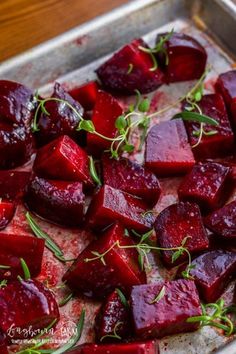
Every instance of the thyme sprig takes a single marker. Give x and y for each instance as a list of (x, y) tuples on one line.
[(114, 335), (3, 283), (93, 171), (25, 269), (66, 299), (159, 296), (217, 318), (122, 297)]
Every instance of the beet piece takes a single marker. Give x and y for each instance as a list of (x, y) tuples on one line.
[(110, 205), (186, 58), (168, 315), (176, 222), (86, 94), (63, 159), (16, 145), (149, 347), (233, 114), (107, 109), (24, 304), (14, 247), (206, 185), (132, 178), (216, 145), (17, 103), (129, 70), (223, 221), (113, 316), (121, 270), (3, 343), (212, 272), (167, 149), (226, 86), (7, 211), (58, 201), (13, 184), (62, 120)]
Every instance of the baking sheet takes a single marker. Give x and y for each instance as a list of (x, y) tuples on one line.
[(71, 60)]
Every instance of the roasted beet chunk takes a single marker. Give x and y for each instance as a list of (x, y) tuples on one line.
[(63, 159), (206, 185), (179, 222), (130, 69), (212, 271), (13, 184), (61, 119), (167, 149), (118, 267), (110, 205), (113, 316), (168, 315), (149, 347), (107, 109), (131, 178), (184, 58), (7, 211), (3, 343), (226, 86), (223, 221), (26, 305), (13, 248), (86, 94), (58, 201), (221, 142)]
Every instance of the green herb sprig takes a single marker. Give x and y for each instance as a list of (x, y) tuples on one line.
[(159, 296), (25, 268), (114, 335), (122, 297), (93, 171), (66, 299)]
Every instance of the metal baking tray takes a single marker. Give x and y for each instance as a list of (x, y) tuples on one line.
[(72, 57)]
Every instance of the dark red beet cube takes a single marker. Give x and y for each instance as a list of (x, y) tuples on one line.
[(13, 248), (206, 185), (149, 347), (61, 120), (3, 343), (97, 278), (174, 224), (26, 305), (132, 178), (113, 316), (212, 272), (58, 201), (7, 211), (107, 109), (129, 69), (110, 205), (226, 86), (233, 113), (167, 149), (13, 184), (219, 144), (186, 57), (223, 221), (86, 94), (63, 159), (168, 315)]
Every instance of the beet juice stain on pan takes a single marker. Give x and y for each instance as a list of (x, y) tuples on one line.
[(72, 62)]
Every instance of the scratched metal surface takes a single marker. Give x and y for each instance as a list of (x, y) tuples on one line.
[(71, 60)]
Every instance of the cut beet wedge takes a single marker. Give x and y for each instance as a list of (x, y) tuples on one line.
[(184, 58), (13, 184), (167, 149), (60, 119), (130, 69), (226, 86), (7, 211), (179, 222), (86, 94), (149, 347), (223, 221), (207, 185), (221, 142), (212, 272), (26, 307), (3, 343), (168, 315), (107, 109), (13, 248), (63, 159), (110, 205), (132, 178), (118, 268), (58, 201)]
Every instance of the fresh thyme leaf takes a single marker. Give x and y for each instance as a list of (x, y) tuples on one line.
[(66, 299), (141, 259), (198, 96), (121, 123), (115, 335), (126, 233), (159, 296), (196, 117), (144, 105), (128, 148), (3, 283), (86, 125), (122, 298), (186, 273), (4, 266), (130, 68), (25, 268), (93, 171)]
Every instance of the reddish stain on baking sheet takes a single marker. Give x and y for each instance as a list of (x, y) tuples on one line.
[(210, 83), (81, 40), (158, 100)]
